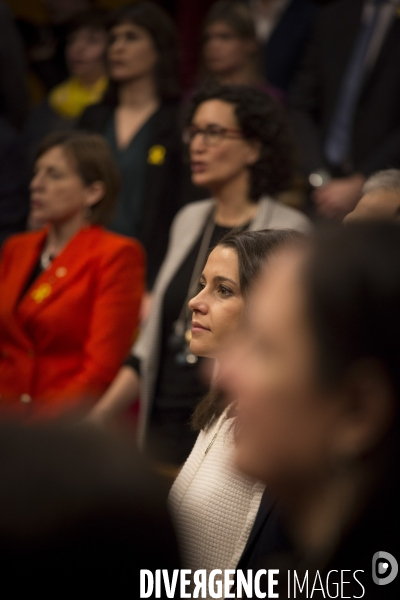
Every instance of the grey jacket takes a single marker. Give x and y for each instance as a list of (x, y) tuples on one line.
[(184, 233)]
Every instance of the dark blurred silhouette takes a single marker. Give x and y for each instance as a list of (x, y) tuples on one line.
[(85, 48), (283, 28), (345, 100), (13, 88), (14, 196), (45, 43), (79, 510)]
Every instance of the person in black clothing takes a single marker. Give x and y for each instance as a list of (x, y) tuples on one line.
[(345, 101), (139, 118), (318, 404)]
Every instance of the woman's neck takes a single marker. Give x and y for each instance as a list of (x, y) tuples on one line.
[(245, 75), (139, 93), (61, 233), (233, 205), (90, 79)]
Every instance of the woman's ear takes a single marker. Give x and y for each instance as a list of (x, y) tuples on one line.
[(95, 192), (368, 410), (254, 152)]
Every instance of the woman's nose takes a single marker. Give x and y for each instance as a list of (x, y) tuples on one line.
[(198, 303), (35, 182)]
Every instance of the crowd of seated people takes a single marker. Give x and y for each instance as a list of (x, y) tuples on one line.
[(152, 276)]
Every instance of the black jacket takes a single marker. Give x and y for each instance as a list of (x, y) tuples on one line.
[(376, 130), (163, 180)]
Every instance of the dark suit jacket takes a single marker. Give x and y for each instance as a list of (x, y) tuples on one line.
[(285, 48), (163, 180), (376, 132)]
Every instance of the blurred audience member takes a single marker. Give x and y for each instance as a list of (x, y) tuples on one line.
[(139, 119), (231, 54), (346, 101), (14, 197), (240, 148), (13, 88), (212, 504), (318, 400), (85, 56), (79, 510), (45, 44), (73, 289), (283, 28), (380, 197)]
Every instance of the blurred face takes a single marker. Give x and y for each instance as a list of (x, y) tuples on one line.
[(58, 193), (379, 204), (287, 424), (85, 52), (131, 53), (226, 160), (224, 51), (218, 307)]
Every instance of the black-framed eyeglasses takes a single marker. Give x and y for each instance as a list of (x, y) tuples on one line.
[(212, 134)]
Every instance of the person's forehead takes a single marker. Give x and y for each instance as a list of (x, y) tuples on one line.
[(215, 111), (377, 204)]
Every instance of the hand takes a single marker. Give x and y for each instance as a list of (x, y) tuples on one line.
[(338, 197)]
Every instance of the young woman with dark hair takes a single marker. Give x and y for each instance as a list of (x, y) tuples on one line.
[(139, 118), (213, 505), (239, 148)]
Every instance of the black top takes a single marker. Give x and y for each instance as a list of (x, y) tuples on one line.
[(178, 389), (131, 161), (165, 178)]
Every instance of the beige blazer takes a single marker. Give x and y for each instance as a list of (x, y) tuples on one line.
[(185, 231)]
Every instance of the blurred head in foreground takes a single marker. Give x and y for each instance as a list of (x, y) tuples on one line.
[(380, 198), (78, 507), (319, 385)]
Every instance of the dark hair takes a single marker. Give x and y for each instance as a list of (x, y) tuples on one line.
[(253, 249), (94, 162), (353, 286), (261, 119), (95, 18), (79, 500), (159, 25), (236, 14)]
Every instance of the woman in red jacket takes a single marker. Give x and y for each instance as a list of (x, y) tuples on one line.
[(70, 293)]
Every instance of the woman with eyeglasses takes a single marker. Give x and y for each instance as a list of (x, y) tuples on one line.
[(241, 150)]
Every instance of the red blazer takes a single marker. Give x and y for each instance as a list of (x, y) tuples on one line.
[(63, 341)]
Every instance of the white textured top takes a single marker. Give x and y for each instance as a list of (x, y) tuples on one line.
[(212, 504)]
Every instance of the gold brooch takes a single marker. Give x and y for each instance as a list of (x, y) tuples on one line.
[(41, 292), (156, 155)]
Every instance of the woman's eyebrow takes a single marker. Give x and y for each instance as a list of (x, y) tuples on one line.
[(221, 278)]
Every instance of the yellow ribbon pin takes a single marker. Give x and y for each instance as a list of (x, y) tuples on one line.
[(156, 155), (41, 292)]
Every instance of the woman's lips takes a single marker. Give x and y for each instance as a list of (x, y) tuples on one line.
[(198, 328), (198, 167)]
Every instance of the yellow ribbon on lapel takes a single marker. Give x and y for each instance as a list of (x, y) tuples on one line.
[(156, 155), (41, 292)]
